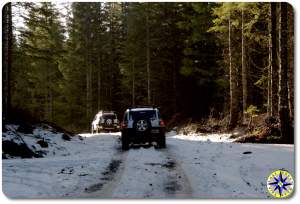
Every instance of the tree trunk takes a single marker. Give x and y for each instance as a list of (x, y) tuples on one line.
[(174, 87), (274, 62), (148, 57), (50, 105), (6, 57), (87, 92), (269, 101), (233, 84), (88, 56), (291, 61), (88, 87), (283, 85), (244, 71), (133, 82), (112, 53), (99, 84)]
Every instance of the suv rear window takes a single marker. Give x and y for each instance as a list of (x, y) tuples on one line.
[(109, 116), (146, 114)]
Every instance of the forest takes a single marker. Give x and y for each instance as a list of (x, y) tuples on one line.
[(63, 62)]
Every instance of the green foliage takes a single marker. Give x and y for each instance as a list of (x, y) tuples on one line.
[(274, 139), (201, 53), (256, 132), (256, 42), (36, 72), (66, 74), (262, 82), (252, 110)]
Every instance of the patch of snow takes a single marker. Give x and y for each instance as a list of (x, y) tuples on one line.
[(57, 146), (171, 133), (221, 170), (145, 175), (190, 167), (59, 176), (100, 134), (204, 137)]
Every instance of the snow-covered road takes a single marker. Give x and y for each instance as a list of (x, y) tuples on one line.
[(190, 167)]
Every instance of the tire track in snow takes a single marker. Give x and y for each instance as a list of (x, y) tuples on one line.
[(109, 176), (110, 181), (146, 173), (179, 185)]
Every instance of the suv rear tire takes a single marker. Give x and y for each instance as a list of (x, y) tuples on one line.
[(161, 141), (125, 142)]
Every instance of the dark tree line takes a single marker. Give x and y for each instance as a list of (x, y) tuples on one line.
[(260, 57), (6, 59), (192, 59)]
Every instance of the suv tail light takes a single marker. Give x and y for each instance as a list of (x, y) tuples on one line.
[(123, 125), (162, 123)]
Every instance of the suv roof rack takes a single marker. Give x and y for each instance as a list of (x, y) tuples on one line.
[(106, 111), (144, 106)]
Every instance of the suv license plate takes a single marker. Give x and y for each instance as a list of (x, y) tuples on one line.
[(155, 131)]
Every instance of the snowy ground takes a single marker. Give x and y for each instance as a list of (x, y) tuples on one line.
[(190, 167)]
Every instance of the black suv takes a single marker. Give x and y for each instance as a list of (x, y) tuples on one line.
[(105, 121), (141, 125)]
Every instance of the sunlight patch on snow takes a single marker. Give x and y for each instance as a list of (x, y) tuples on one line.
[(226, 170), (204, 137), (171, 133), (99, 134)]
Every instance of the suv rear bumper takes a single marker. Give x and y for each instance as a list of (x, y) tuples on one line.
[(141, 137), (103, 127)]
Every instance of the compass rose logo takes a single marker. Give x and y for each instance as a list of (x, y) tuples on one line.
[(280, 184)]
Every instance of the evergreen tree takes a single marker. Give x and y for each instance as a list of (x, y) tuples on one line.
[(286, 132), (196, 59), (6, 59), (41, 43)]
